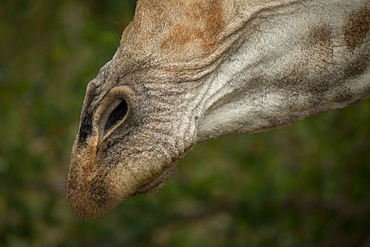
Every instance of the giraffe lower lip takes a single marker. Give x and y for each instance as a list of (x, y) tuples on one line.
[(157, 182), (149, 187)]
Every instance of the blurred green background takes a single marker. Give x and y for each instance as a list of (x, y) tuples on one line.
[(303, 185)]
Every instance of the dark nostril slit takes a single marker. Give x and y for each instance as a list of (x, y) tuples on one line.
[(86, 127), (116, 115)]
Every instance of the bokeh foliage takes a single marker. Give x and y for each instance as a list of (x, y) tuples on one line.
[(303, 185)]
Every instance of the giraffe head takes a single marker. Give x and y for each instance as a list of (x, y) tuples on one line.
[(136, 120), (191, 70)]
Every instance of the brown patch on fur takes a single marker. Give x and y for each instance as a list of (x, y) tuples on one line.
[(318, 50), (202, 23), (358, 66), (316, 54), (182, 34), (356, 28)]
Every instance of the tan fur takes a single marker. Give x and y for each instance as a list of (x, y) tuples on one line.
[(202, 26)]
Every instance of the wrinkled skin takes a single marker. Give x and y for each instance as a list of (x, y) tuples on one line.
[(189, 71)]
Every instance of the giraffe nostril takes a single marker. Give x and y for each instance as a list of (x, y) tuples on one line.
[(116, 115)]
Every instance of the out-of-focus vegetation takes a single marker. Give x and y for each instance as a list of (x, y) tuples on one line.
[(303, 185)]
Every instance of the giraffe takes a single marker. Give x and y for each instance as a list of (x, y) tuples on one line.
[(188, 71)]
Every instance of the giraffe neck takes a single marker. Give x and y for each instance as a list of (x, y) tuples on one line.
[(298, 64)]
